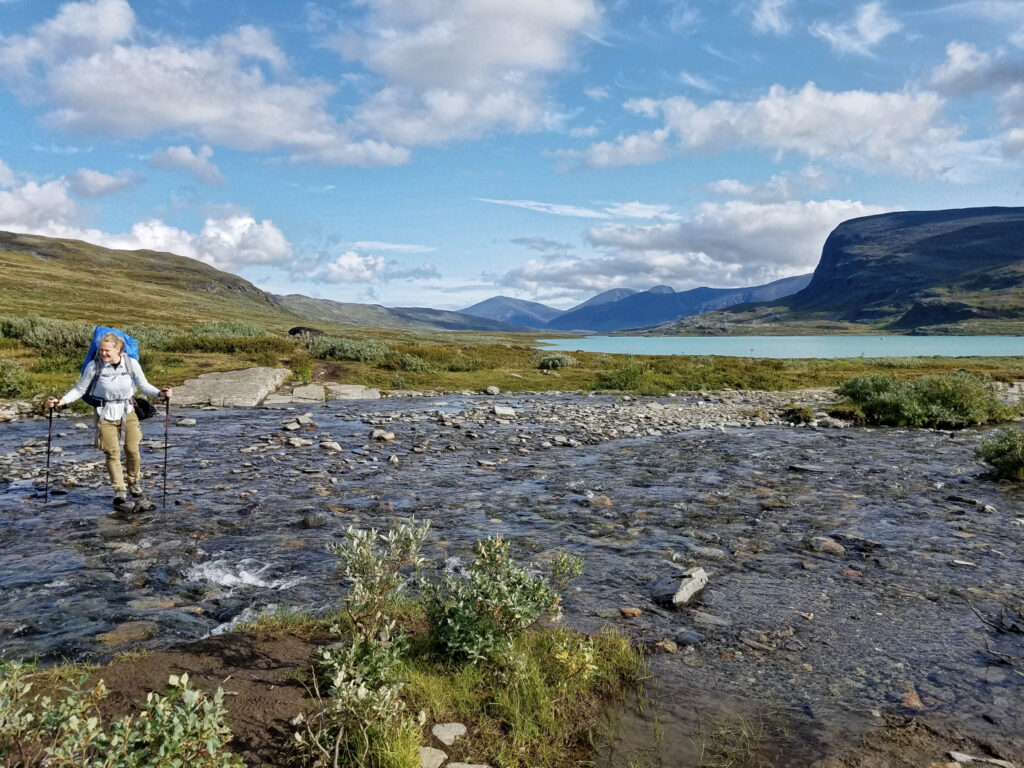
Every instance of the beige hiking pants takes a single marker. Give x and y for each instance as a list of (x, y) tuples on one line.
[(110, 444)]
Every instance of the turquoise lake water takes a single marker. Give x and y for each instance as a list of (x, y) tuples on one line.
[(796, 346)]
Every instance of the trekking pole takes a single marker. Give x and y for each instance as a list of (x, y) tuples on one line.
[(167, 422), (49, 439)]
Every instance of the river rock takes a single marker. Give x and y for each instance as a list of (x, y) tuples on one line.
[(332, 446), (311, 392), (351, 392), (233, 389), (316, 520), (448, 733), (503, 411), (382, 434), (675, 595), (185, 423), (128, 632), (827, 546), (492, 390), (432, 758)]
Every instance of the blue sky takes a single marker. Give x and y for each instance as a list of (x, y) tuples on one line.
[(438, 152)]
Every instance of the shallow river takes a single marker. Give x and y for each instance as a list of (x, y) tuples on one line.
[(820, 642)]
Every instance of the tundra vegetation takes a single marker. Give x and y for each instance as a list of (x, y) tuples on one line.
[(470, 649), (1005, 453), (40, 356)]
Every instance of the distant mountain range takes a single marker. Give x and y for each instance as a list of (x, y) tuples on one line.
[(954, 271), (623, 309), (957, 271)]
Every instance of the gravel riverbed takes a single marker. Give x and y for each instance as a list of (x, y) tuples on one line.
[(855, 574)]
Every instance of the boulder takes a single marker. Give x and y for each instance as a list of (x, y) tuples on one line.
[(351, 392), (234, 389)]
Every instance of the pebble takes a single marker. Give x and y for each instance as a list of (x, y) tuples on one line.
[(827, 546)]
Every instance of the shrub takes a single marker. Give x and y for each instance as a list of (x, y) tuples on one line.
[(301, 365), (337, 348), (51, 336), (406, 361), (223, 328), (185, 727), (153, 336), (945, 401), (460, 362), (552, 362), (795, 413), (629, 376), (232, 345), (846, 412), (374, 571), (1005, 453), (477, 616), (14, 382)]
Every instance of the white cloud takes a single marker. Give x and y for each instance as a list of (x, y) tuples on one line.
[(696, 81), (94, 70), (462, 68), (92, 184), (871, 131), (968, 70), (779, 188), (770, 16), (7, 177), (230, 242), (196, 163), (723, 245), (551, 208), (630, 210), (376, 245), (355, 267), (37, 208), (584, 132), (596, 93), (869, 27)]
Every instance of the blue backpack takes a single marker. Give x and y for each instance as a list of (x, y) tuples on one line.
[(131, 348)]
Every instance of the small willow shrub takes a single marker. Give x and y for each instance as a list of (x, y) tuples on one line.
[(555, 361), (184, 728), (475, 617), (949, 401), (1005, 453), (14, 382), (338, 348)]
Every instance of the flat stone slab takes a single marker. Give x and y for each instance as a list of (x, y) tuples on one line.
[(313, 392), (231, 389), (351, 392)]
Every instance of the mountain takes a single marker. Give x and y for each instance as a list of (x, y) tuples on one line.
[(948, 271), (661, 304), (606, 297), (514, 311), (74, 280), (412, 318)]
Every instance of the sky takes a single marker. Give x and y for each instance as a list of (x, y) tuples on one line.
[(440, 152)]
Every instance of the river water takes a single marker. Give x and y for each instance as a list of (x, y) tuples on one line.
[(825, 641)]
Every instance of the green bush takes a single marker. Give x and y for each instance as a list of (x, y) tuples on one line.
[(798, 414), (227, 329), (477, 616), (949, 401), (51, 336), (153, 336), (300, 363), (1005, 453), (846, 412), (183, 728), (554, 361), (338, 348), (14, 382), (250, 347), (627, 377), (409, 362), (460, 362)]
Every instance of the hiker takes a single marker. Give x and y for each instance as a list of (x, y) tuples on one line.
[(117, 422)]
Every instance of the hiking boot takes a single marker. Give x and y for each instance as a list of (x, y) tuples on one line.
[(121, 503), (135, 490)]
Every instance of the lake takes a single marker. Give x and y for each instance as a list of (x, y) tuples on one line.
[(795, 346)]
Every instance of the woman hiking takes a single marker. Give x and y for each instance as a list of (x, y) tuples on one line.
[(116, 377)]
